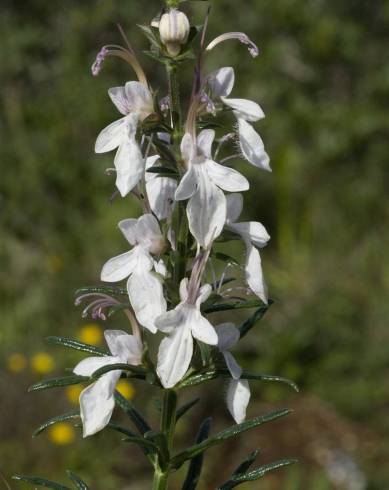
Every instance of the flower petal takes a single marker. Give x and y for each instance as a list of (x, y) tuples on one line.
[(238, 397), (119, 267), (188, 185), (201, 328), (160, 192), (227, 178), (245, 109), (128, 228), (203, 294), (204, 142), (146, 297), (150, 161), (254, 274), (129, 164), (187, 148), (139, 98), (149, 234), (253, 231), (174, 356), (228, 335), (232, 365), (97, 403), (126, 347), (184, 289), (234, 207), (111, 136), (206, 211), (221, 82), (119, 98), (169, 321), (88, 366), (252, 146)]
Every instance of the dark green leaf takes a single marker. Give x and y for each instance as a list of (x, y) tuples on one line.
[(236, 305), (256, 474), (41, 482), (233, 431), (75, 344), (111, 290), (160, 441), (164, 151), (59, 418), (245, 465), (135, 416), (249, 323), (58, 382), (116, 308), (196, 463), (119, 428), (80, 484), (149, 446), (164, 171), (151, 36), (139, 371), (185, 408)]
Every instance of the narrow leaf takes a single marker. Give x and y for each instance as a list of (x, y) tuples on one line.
[(41, 482), (185, 408), (58, 382), (119, 367), (233, 431), (122, 430), (80, 484), (169, 172), (237, 305), (196, 463), (75, 344), (135, 416), (111, 290), (245, 465), (59, 418), (250, 322)]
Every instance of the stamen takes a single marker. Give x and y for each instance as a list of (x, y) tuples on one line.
[(97, 65), (240, 36)]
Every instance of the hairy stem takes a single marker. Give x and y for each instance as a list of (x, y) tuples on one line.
[(174, 95)]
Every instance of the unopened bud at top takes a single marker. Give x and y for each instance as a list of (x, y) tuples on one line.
[(174, 30)]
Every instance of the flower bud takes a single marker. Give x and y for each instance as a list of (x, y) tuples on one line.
[(174, 30)]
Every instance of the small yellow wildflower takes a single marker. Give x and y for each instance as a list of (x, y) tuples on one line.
[(42, 363), (73, 393), (16, 362), (54, 263), (126, 389), (62, 434), (90, 334)]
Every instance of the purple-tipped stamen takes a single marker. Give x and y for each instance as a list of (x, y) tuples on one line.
[(240, 36)]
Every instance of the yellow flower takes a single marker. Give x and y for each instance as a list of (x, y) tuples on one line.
[(126, 389), (16, 362), (62, 434), (90, 334), (54, 263), (42, 363), (73, 393)]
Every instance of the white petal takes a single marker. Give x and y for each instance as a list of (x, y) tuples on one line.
[(128, 228), (150, 161), (238, 397), (139, 98), (204, 142), (234, 207), (184, 289), (228, 335), (129, 164), (232, 365), (252, 146), (203, 294), (124, 346), (201, 328), (119, 98), (253, 231), (227, 178), (88, 366), (174, 356), (160, 192), (149, 234), (120, 267), (160, 268), (188, 184), (254, 274), (245, 109), (187, 148), (111, 136), (206, 211), (97, 403), (169, 321), (221, 82), (146, 297)]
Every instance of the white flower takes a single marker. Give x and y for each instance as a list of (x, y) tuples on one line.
[(135, 102), (254, 235), (97, 400), (221, 83), (174, 30), (238, 394), (160, 191), (144, 287), (202, 184), (182, 323)]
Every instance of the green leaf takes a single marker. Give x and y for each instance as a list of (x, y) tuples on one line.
[(250, 322), (58, 382), (136, 370), (232, 431), (185, 408), (256, 474), (245, 465), (196, 463), (111, 290), (135, 416), (201, 377), (163, 171), (160, 441), (80, 484), (41, 482), (237, 305), (75, 344), (224, 258), (59, 418), (119, 428), (164, 151), (151, 36), (116, 308), (145, 444)]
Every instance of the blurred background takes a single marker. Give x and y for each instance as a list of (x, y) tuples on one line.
[(323, 82)]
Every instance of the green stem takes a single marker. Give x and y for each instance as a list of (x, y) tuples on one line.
[(174, 95), (160, 480)]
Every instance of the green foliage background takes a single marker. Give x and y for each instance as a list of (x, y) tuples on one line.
[(323, 82)]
